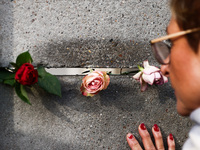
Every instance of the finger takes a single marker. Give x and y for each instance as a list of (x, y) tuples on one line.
[(171, 142), (146, 139), (158, 137), (132, 142)]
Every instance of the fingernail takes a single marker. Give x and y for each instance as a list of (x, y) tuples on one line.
[(156, 128), (130, 136), (142, 126), (171, 137)]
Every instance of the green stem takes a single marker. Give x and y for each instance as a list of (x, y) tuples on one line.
[(140, 68)]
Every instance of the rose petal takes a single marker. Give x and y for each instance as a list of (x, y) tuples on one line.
[(159, 81), (145, 63), (85, 93), (137, 75), (90, 79), (157, 75), (143, 86), (165, 79), (107, 81), (150, 70), (141, 80), (82, 87), (148, 78), (94, 85), (91, 94)]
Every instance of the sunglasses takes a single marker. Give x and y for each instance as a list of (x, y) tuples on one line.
[(161, 47)]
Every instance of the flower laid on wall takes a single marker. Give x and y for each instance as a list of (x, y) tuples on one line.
[(22, 74), (149, 75), (94, 82)]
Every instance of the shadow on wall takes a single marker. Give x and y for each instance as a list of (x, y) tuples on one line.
[(92, 53), (122, 93), (6, 92), (114, 95), (166, 91), (74, 53), (10, 138)]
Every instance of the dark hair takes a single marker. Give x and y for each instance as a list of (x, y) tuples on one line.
[(187, 15)]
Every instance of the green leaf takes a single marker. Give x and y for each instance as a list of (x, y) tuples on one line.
[(24, 58), (5, 74), (49, 82), (21, 92), (9, 82)]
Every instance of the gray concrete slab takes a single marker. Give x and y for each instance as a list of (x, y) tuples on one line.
[(70, 33), (84, 33), (76, 122)]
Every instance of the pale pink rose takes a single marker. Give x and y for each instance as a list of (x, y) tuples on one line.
[(94, 83), (151, 75)]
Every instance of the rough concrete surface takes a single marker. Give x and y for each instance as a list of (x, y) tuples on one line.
[(84, 33), (71, 33), (75, 122)]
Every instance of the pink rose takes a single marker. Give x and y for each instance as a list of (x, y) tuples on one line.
[(151, 75), (94, 83)]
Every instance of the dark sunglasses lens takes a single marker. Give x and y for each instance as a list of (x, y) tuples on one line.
[(161, 52)]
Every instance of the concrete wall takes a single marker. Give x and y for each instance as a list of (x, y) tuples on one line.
[(70, 33), (80, 33)]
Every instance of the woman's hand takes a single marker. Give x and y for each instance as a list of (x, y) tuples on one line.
[(146, 139)]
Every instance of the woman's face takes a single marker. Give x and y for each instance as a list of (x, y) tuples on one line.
[(184, 72)]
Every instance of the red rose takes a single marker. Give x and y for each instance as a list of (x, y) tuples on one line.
[(26, 74)]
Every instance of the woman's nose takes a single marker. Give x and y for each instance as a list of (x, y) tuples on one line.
[(165, 70)]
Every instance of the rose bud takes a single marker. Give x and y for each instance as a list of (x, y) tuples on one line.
[(94, 83), (151, 75), (26, 74)]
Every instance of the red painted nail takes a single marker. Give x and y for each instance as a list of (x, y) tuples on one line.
[(142, 126), (156, 128), (171, 137), (130, 136)]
